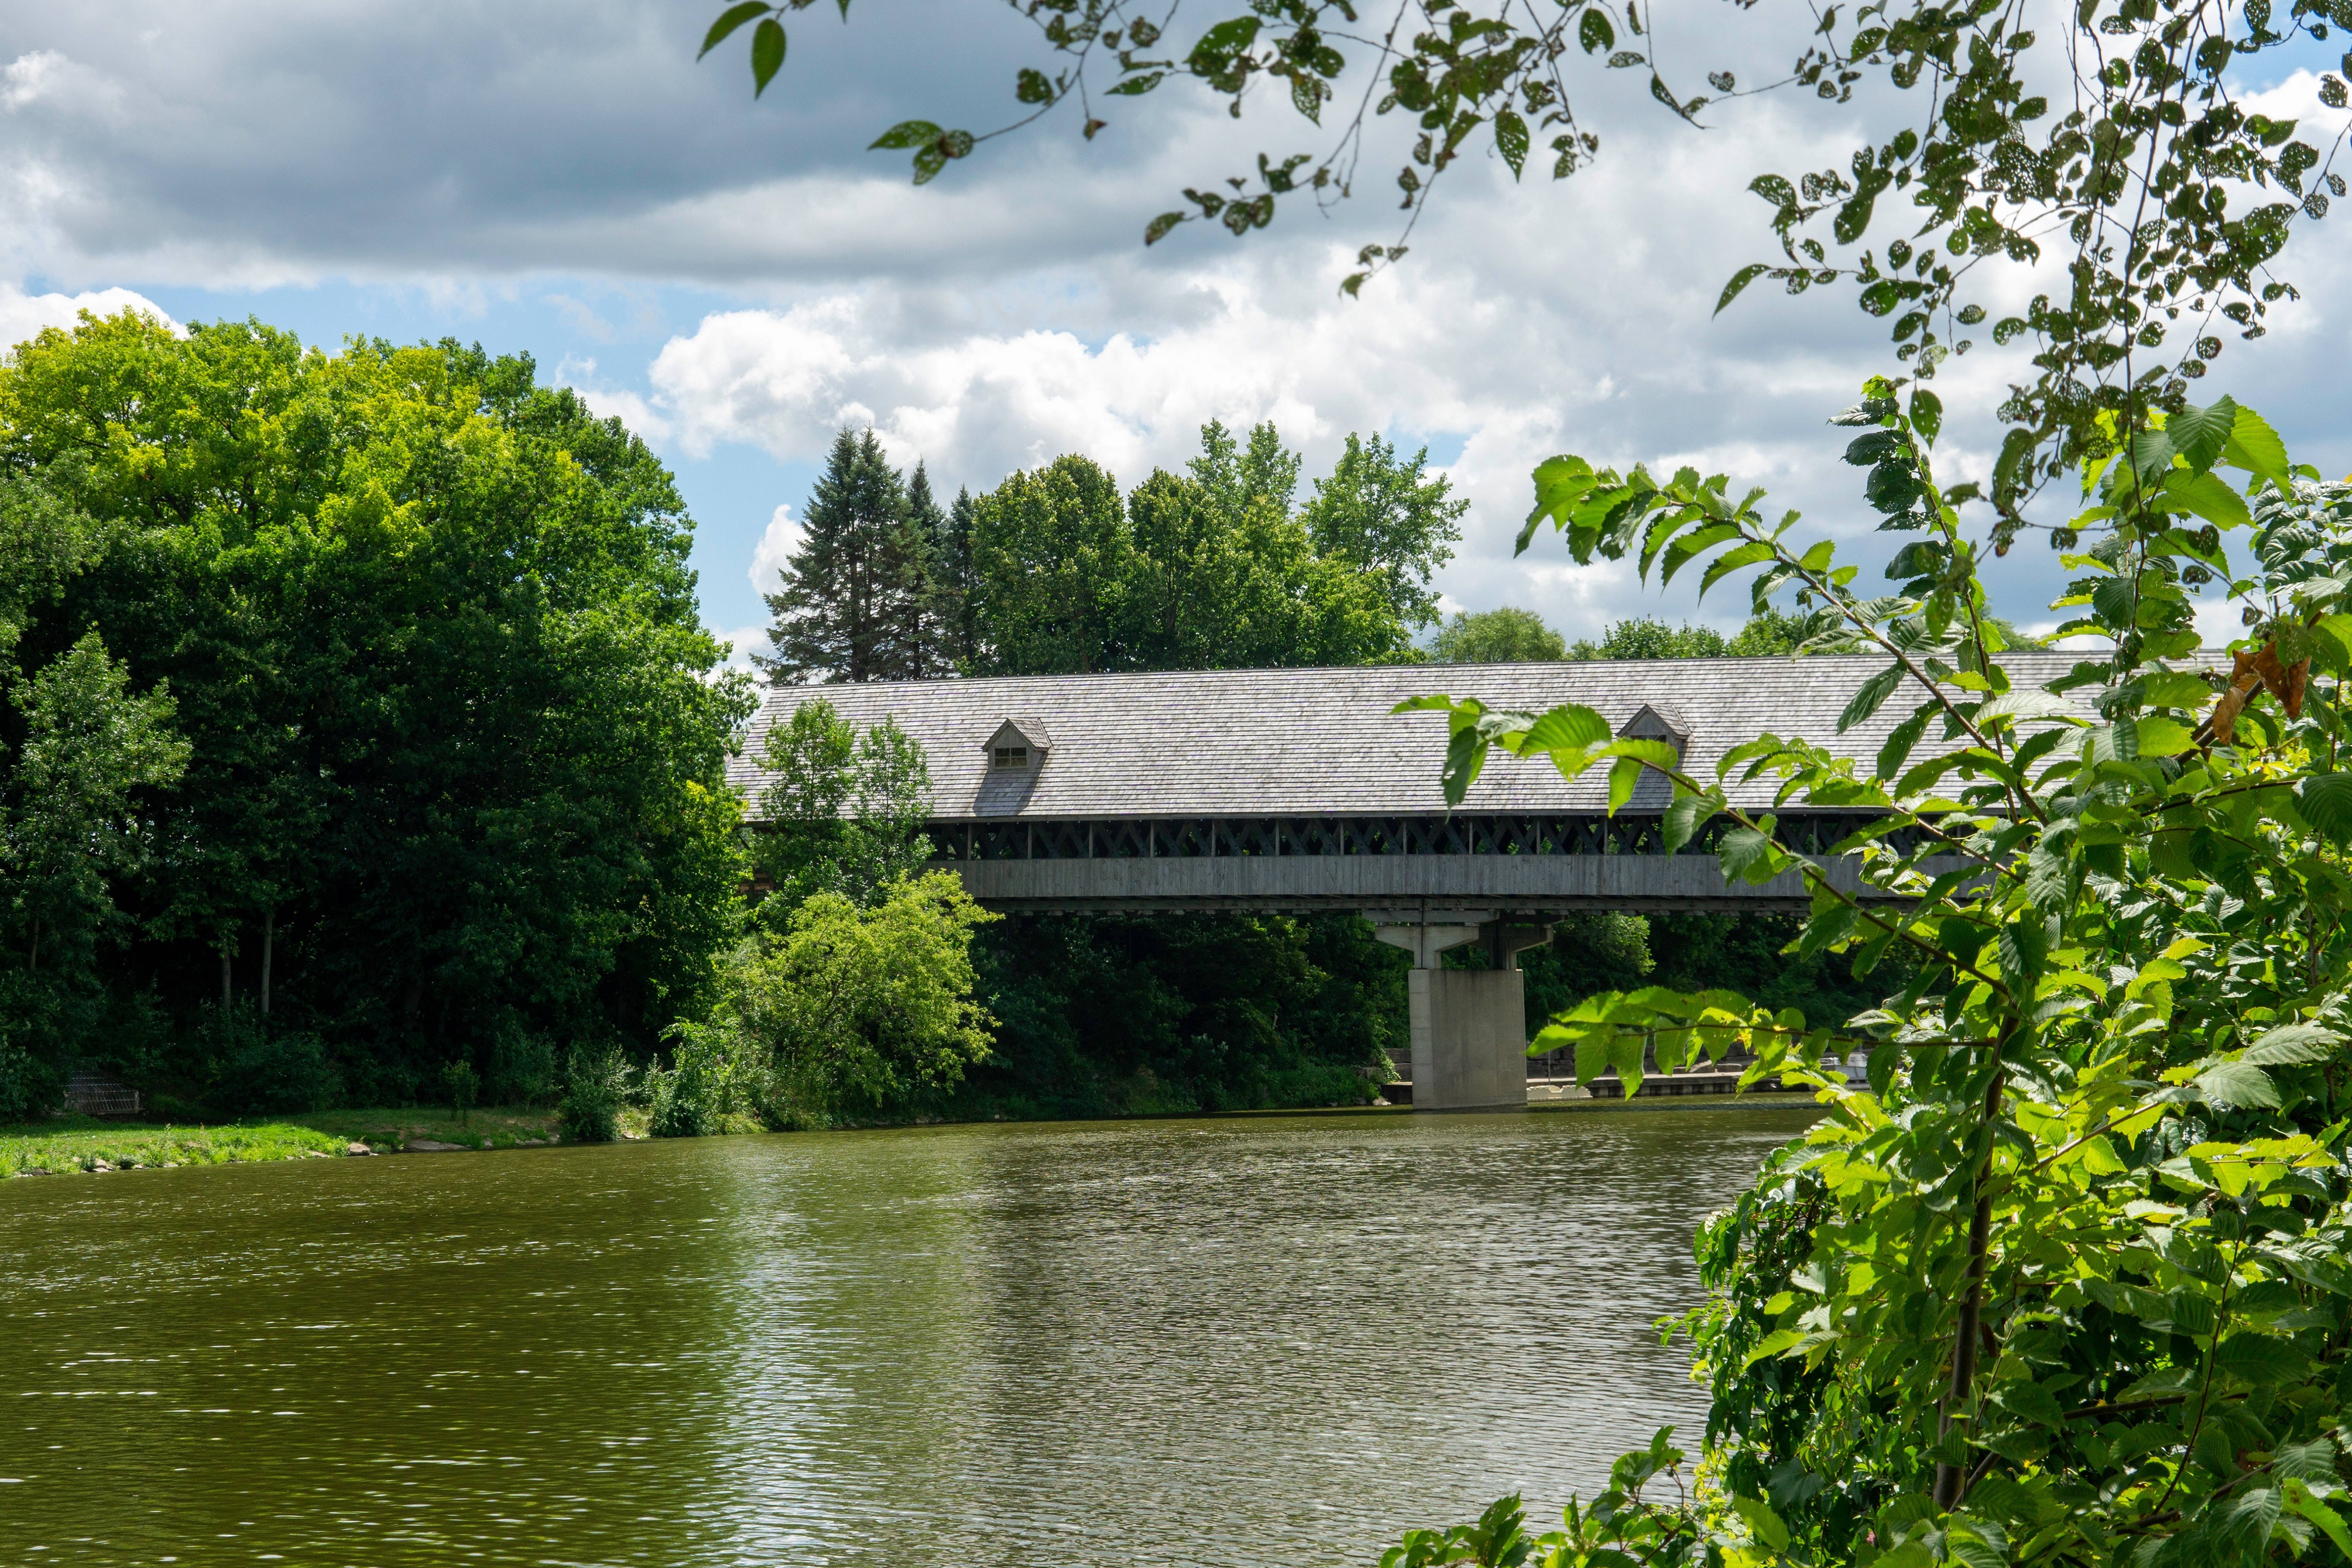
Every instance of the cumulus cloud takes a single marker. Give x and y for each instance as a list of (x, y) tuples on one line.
[(22, 315), (775, 547), (573, 155)]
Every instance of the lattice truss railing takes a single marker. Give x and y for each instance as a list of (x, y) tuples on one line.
[(1199, 837)]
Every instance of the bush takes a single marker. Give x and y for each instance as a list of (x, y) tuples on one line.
[(596, 1087), (691, 1100), (522, 1066), (261, 1071)]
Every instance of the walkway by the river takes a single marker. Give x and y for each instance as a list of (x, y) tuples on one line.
[(1235, 1341)]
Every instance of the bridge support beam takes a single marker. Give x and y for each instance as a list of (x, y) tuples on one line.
[(1469, 1025)]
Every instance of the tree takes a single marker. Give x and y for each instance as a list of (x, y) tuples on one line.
[(453, 780), (1497, 637), (845, 812), (74, 824), (1645, 636), (1378, 511), (860, 1007), (933, 644), (854, 602), (1050, 552), (956, 584)]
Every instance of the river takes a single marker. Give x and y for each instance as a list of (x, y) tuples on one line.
[(1244, 1341)]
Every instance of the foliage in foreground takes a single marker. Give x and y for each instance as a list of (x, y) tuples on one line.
[(2069, 1278)]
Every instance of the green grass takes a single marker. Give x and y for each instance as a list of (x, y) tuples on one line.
[(67, 1145)]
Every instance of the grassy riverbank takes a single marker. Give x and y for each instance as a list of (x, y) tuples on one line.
[(66, 1144)]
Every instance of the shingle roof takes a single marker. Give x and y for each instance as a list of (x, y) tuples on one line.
[(1322, 742)]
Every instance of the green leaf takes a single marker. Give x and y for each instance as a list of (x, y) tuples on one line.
[(2293, 1044), (1466, 755), (1739, 280), (1228, 36), (1871, 697), (2027, 704), (767, 53), (2239, 1084), (1569, 727), (1767, 1525), (1135, 85), (728, 20), (2326, 800), (1927, 415), (1511, 139), (905, 134), (2259, 1359), (1732, 561), (2207, 496), (2029, 1402), (1899, 742), (1594, 32), (2161, 737), (2255, 447), (2299, 1500), (1687, 816), (2199, 435), (1624, 774), (1158, 229), (1747, 854)]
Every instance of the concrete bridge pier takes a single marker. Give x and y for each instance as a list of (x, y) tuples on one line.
[(1469, 1025)]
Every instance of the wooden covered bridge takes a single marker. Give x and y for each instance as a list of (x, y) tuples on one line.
[(1298, 790)]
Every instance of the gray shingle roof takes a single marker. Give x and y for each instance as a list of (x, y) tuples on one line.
[(1274, 743)]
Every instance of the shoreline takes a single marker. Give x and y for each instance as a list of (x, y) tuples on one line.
[(89, 1146)]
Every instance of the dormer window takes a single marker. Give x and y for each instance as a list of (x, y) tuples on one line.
[(1017, 745)]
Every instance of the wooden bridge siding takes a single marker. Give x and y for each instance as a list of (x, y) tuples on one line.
[(1511, 883)]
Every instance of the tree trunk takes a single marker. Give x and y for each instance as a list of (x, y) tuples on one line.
[(1950, 1478), (269, 946), (224, 980)]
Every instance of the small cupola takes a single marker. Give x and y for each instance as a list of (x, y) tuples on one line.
[(1018, 744)]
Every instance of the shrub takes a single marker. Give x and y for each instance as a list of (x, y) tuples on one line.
[(596, 1087), (266, 1072), (522, 1066), (692, 1098)]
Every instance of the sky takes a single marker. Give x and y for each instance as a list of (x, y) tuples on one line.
[(740, 279)]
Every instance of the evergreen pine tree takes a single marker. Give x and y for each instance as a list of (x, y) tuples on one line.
[(930, 650), (850, 593), (956, 584)]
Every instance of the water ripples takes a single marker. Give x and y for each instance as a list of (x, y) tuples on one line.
[(1246, 1340)]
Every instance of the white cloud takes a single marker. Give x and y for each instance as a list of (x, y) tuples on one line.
[(22, 315), (745, 641), (775, 547)]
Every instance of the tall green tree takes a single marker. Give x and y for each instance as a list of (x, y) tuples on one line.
[(1503, 635), (843, 813), (1051, 557), (853, 604), (1389, 517), (935, 607), (955, 583), (453, 783)]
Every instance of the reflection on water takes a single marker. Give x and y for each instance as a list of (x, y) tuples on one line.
[(1246, 1340)]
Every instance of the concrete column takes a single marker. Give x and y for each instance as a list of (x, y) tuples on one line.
[(1469, 1025)]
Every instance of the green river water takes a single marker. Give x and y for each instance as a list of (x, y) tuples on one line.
[(1244, 1341)]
